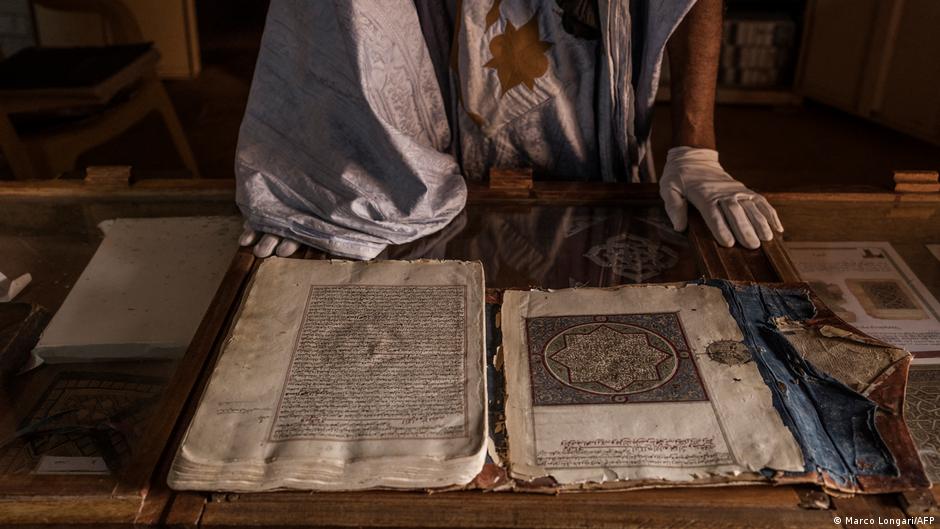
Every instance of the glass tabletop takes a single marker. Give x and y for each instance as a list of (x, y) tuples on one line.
[(871, 263), (81, 418), (910, 227), (90, 418), (561, 246)]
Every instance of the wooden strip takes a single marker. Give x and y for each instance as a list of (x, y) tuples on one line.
[(779, 259), (736, 267), (770, 263), (108, 175), (687, 508), (154, 506), (13, 485), (185, 511), (916, 188), (151, 189), (706, 250), (510, 179), (760, 266), (734, 496), (775, 198), (918, 502), (67, 510), (548, 193), (905, 176), (723, 263), (861, 506)]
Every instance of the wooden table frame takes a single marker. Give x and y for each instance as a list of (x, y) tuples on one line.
[(139, 497)]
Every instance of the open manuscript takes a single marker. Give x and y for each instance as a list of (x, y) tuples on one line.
[(343, 376)]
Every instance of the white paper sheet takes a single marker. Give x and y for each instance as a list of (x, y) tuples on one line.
[(144, 292)]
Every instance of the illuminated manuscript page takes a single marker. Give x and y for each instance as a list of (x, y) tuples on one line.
[(342, 375), (635, 383)]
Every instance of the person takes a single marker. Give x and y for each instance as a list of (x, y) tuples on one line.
[(365, 117)]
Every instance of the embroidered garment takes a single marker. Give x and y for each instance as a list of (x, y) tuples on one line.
[(365, 115)]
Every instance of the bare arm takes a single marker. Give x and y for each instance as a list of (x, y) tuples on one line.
[(694, 49), (692, 172)]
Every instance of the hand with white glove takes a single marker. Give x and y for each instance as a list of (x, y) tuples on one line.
[(267, 244), (731, 210)]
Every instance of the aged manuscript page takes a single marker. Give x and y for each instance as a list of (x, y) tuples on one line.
[(343, 375), (644, 383)]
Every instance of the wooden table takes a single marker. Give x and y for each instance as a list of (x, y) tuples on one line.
[(137, 495)]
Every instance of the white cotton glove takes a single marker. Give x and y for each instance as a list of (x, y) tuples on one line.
[(266, 244), (731, 210)]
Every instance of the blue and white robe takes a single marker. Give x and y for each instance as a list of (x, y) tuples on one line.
[(366, 116)]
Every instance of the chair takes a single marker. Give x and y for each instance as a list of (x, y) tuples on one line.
[(56, 103)]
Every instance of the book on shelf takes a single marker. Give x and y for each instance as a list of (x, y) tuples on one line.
[(757, 49)]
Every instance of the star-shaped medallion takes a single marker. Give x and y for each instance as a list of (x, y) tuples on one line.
[(611, 358)]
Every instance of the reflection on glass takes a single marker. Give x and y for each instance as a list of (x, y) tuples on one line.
[(82, 419), (89, 418), (77, 418), (561, 247)]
